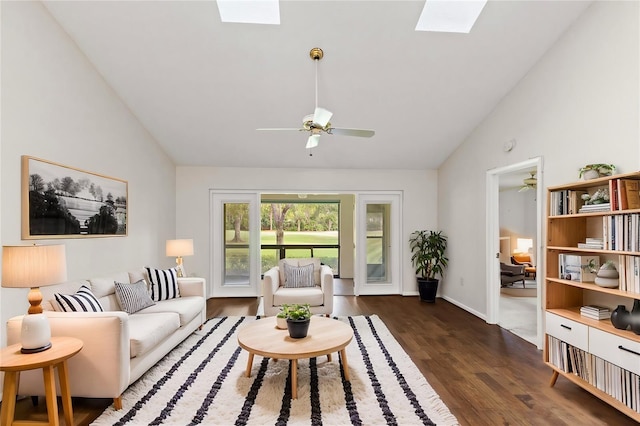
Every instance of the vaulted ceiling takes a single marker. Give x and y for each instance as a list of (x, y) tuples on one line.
[(202, 87)]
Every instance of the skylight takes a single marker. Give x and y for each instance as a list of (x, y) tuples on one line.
[(250, 11), (449, 16)]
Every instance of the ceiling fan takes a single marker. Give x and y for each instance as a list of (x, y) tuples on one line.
[(529, 183), (318, 122)]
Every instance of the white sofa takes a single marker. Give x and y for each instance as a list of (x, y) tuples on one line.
[(319, 297), (118, 348)]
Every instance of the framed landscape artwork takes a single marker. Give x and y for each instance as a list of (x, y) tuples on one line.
[(64, 202)]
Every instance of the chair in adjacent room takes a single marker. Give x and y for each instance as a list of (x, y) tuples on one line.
[(510, 274), (524, 259), (298, 281)]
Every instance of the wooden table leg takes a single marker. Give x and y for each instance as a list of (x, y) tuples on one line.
[(50, 393), (65, 393), (328, 357), (345, 365), (554, 377), (8, 397), (249, 364), (294, 379)]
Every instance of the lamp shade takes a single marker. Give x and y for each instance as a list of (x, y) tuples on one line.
[(180, 247), (33, 266)]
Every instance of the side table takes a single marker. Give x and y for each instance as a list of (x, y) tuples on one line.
[(12, 361)]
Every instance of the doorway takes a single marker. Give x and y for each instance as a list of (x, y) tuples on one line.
[(504, 185)]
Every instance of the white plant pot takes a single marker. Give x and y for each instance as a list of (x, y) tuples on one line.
[(281, 323), (590, 174)]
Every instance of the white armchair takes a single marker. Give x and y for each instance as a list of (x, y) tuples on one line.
[(277, 292)]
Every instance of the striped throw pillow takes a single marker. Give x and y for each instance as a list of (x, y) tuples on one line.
[(298, 276), (133, 297), (164, 283), (82, 301)]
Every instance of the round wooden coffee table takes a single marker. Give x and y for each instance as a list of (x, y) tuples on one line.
[(325, 336)]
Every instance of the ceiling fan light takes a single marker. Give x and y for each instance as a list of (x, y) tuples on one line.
[(313, 141), (321, 117)]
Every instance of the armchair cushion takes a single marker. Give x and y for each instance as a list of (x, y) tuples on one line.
[(298, 276), (301, 262)]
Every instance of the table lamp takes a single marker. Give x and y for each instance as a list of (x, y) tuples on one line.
[(33, 267), (179, 248)]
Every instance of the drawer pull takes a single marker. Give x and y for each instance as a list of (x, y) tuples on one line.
[(565, 326), (628, 350)]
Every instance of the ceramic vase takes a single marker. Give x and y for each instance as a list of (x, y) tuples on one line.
[(620, 317), (635, 317), (281, 323)]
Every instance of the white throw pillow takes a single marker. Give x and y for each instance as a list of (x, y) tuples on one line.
[(133, 297), (163, 283), (82, 301)]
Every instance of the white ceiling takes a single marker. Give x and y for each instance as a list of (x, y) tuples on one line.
[(202, 87)]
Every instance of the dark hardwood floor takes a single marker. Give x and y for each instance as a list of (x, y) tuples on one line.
[(484, 374)]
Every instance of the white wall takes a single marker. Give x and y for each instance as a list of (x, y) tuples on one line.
[(577, 105), (193, 219), (55, 106), (518, 216)]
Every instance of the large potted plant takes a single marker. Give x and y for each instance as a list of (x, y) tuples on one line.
[(429, 261)]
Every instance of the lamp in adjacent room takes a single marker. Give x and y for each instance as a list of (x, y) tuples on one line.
[(179, 248), (34, 267)]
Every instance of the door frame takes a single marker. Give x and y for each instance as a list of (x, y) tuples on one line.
[(493, 239), (217, 199), (394, 284)]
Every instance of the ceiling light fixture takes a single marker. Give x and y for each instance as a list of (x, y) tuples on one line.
[(250, 11), (449, 16)]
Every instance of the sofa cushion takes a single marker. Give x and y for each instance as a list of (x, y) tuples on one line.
[(81, 301), (104, 286), (301, 262), (298, 276), (133, 297), (311, 295), (163, 283), (186, 307), (147, 331)]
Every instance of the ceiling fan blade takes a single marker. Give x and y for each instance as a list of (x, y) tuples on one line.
[(352, 132), (312, 142), (321, 116), (285, 128), (524, 188)]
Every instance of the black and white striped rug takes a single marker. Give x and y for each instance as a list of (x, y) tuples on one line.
[(202, 381)]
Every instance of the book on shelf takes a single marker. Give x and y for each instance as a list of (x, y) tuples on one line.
[(595, 312), (578, 267), (593, 208), (627, 194)]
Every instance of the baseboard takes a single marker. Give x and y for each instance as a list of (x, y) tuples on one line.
[(466, 308)]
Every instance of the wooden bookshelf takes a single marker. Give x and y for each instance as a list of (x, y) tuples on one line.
[(573, 346)]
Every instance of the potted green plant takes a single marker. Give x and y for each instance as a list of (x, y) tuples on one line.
[(298, 319), (593, 171), (429, 261)]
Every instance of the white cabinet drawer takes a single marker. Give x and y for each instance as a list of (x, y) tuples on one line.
[(617, 350), (574, 333)]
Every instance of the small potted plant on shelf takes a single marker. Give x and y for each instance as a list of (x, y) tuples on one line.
[(298, 319), (593, 171), (429, 260)]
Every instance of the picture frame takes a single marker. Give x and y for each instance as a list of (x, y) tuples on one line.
[(60, 201)]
